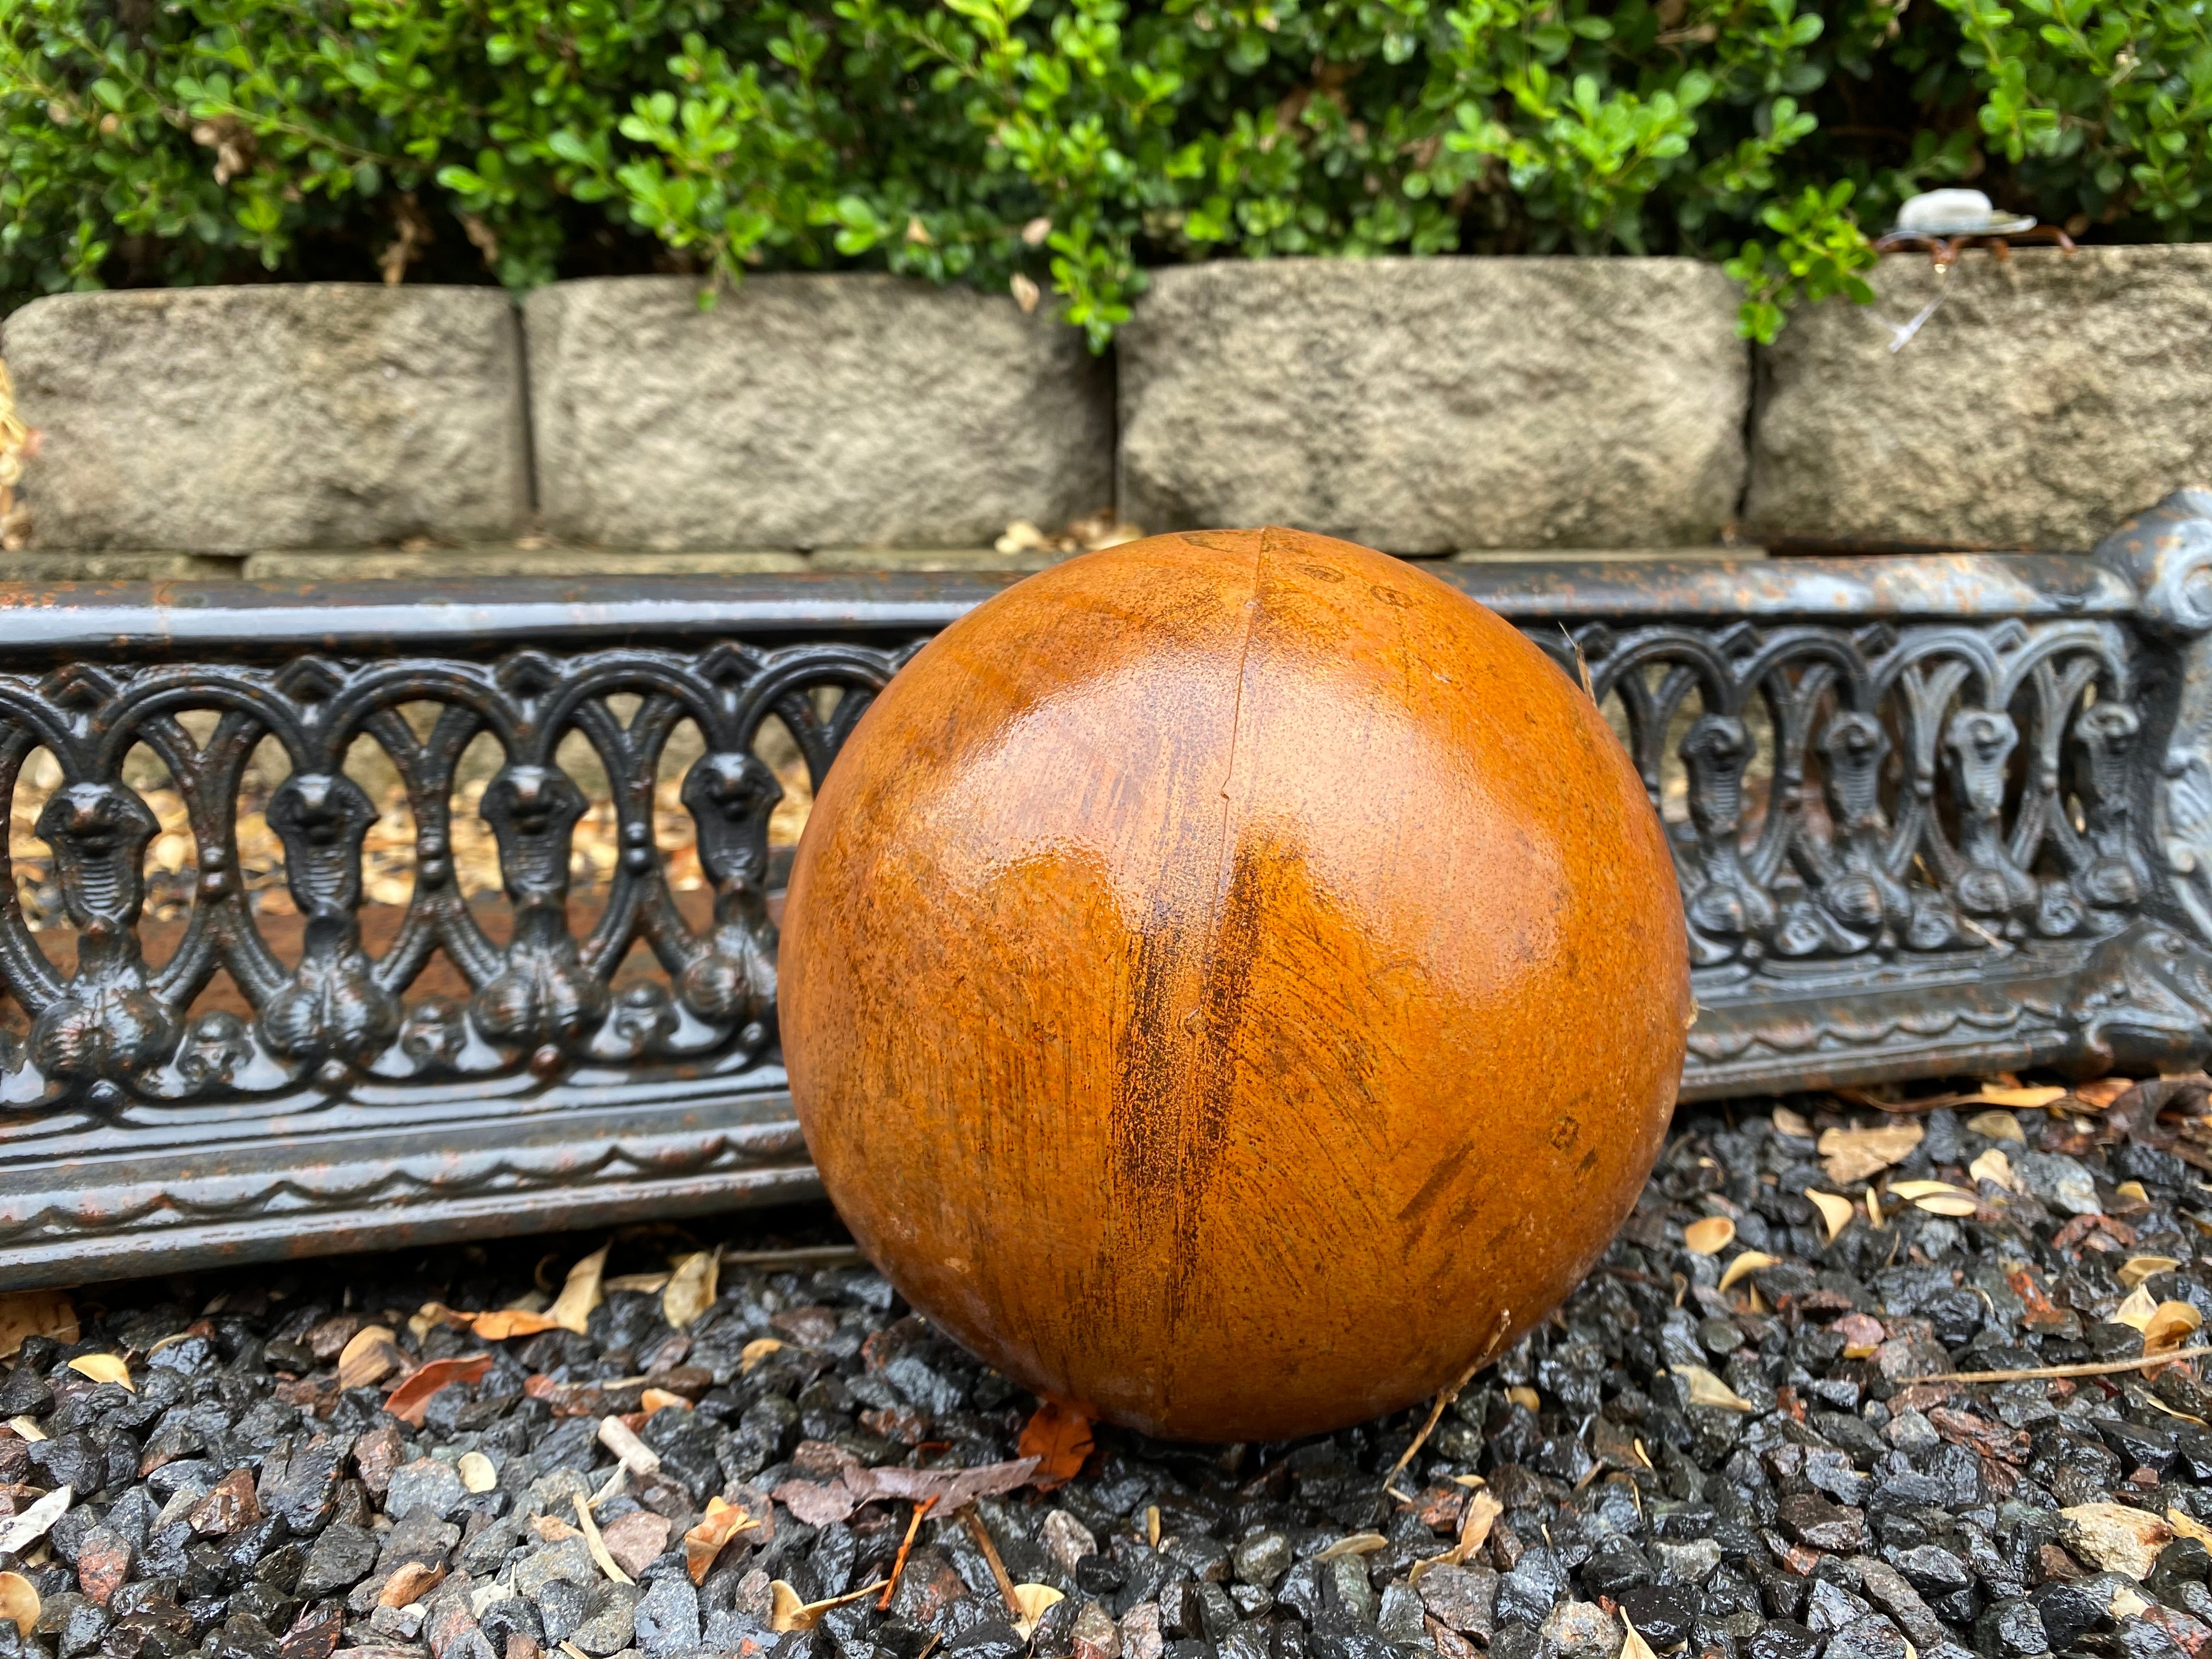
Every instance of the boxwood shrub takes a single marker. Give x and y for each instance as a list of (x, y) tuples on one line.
[(1066, 145)]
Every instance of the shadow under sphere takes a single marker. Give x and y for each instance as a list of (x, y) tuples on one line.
[(1233, 981)]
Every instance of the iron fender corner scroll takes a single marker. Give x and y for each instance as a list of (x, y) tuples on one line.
[(2166, 552)]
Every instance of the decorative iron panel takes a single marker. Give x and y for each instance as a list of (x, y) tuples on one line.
[(1930, 815)]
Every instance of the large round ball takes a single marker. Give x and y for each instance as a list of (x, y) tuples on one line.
[(1233, 983)]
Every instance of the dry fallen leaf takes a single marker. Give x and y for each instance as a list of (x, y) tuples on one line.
[(2169, 1325), (2137, 1268), (1835, 1209), (1746, 1261), (785, 1609), (1475, 1524), (1033, 1601), (1359, 1543), (581, 1293), (1996, 1126), (437, 1313), (953, 1488), (476, 1472), (1632, 1644), (410, 1585), (2186, 1525), (1525, 1396), (103, 1368), (411, 1399), (787, 1613), (504, 1322), (756, 1351), (1953, 1203), (1993, 1166), (1938, 1196), (705, 1541), (1850, 1155), (644, 1284), (1709, 1237), (691, 1290), (27, 1428), (1707, 1390), (36, 1313), (371, 1355), (2137, 1310), (2099, 1096), (659, 1400), (1059, 1437), (19, 1600), (1482, 1513), (2022, 1099), (2132, 1198), (1791, 1123)]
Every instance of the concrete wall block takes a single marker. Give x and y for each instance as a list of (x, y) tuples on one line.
[(2048, 397), (226, 420), (804, 411), (1434, 405)]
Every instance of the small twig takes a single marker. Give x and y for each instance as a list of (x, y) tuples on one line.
[(2030, 1373), (906, 1545), (1445, 1397), (800, 1255), (982, 1534)]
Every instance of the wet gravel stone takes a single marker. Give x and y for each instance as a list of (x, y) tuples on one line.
[(238, 1502)]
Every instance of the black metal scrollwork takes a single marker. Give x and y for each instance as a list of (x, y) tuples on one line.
[(1928, 815), (543, 1003)]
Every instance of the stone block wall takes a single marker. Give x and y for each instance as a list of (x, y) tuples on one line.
[(228, 420), (1433, 405), (809, 412), (1444, 407), (2048, 397)]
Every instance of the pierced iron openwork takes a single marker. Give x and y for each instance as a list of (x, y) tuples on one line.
[(115, 1036), (1928, 815)]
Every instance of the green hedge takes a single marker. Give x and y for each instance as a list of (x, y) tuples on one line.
[(1065, 144)]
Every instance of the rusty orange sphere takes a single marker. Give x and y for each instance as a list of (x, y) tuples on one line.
[(1233, 983)]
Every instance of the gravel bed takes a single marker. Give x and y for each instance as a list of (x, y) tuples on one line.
[(1758, 1472)]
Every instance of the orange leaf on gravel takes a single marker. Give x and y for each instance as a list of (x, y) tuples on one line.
[(1850, 1155), (2169, 1326), (1710, 1236), (704, 1541), (35, 1313), (370, 1353), (1059, 1437), (19, 1600), (2100, 1095), (410, 1399), (498, 1326)]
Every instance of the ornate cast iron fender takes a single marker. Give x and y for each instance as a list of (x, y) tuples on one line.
[(1930, 815)]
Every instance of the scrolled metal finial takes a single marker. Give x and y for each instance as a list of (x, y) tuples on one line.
[(2166, 552)]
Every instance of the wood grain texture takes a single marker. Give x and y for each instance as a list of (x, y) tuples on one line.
[(1232, 981)]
